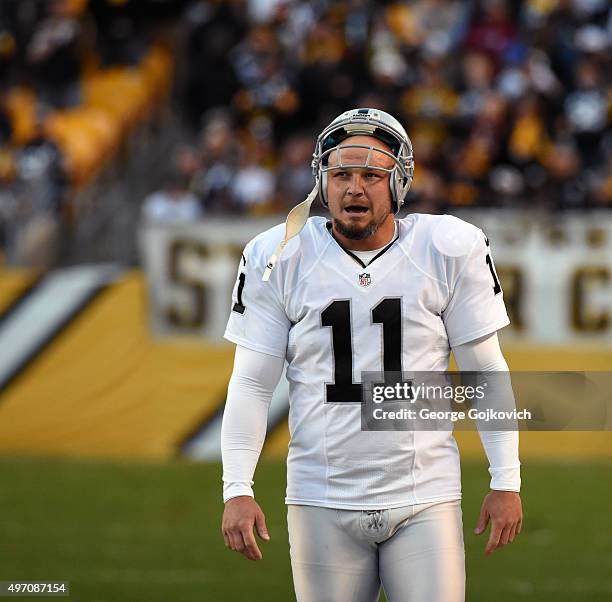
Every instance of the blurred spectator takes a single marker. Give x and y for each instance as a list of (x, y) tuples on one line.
[(436, 26), (41, 175), (429, 107), (6, 126), (219, 149), (602, 185), (294, 174), (586, 109), (487, 137), (566, 186), (120, 37), (214, 29), (478, 78), (175, 202), (528, 137), (253, 186), (264, 80), (53, 54), (7, 54), (493, 30), (508, 184), (330, 76), (8, 201)]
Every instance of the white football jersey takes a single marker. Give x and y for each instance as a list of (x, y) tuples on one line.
[(432, 288)]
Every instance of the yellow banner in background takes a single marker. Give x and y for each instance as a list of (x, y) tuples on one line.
[(104, 388)]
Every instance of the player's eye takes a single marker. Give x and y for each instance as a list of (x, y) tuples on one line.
[(340, 174)]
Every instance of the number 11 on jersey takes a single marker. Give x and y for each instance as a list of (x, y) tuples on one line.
[(337, 316)]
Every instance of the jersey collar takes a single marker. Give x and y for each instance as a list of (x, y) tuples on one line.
[(328, 225)]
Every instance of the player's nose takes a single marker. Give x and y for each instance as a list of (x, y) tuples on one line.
[(355, 185)]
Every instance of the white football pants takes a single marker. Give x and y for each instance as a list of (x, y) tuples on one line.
[(415, 552)]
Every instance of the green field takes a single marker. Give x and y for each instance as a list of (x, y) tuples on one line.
[(150, 533)]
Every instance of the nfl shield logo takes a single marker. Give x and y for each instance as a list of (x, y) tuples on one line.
[(364, 279)]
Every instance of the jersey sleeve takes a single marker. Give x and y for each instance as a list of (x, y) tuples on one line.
[(476, 304), (258, 319)]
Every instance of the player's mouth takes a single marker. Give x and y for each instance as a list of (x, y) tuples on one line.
[(356, 209)]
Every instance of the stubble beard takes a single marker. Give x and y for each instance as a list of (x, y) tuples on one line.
[(356, 233)]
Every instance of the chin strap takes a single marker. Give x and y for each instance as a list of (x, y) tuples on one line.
[(296, 220)]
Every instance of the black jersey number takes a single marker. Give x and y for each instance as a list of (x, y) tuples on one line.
[(337, 316), (496, 285), (239, 307)]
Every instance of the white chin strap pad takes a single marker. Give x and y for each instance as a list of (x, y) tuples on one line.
[(296, 220)]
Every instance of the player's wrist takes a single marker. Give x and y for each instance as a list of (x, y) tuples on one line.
[(236, 489), (506, 478), (238, 498)]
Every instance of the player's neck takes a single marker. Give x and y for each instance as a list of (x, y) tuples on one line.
[(382, 237)]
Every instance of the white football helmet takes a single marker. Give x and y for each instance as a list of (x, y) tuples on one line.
[(369, 122)]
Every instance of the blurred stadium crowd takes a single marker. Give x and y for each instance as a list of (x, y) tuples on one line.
[(508, 104)]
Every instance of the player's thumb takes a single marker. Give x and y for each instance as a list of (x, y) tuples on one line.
[(483, 520), (260, 525)]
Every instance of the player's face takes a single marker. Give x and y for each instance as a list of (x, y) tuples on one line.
[(359, 198)]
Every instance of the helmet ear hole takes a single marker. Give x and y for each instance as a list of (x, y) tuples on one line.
[(323, 188), (393, 180)]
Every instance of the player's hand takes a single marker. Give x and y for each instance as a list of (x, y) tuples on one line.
[(505, 511), (241, 514)]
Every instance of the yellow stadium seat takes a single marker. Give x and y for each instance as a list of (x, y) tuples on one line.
[(114, 100), (84, 155), (157, 69), (101, 94), (119, 91), (101, 124), (21, 104)]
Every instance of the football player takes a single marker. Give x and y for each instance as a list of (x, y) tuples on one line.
[(364, 291)]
